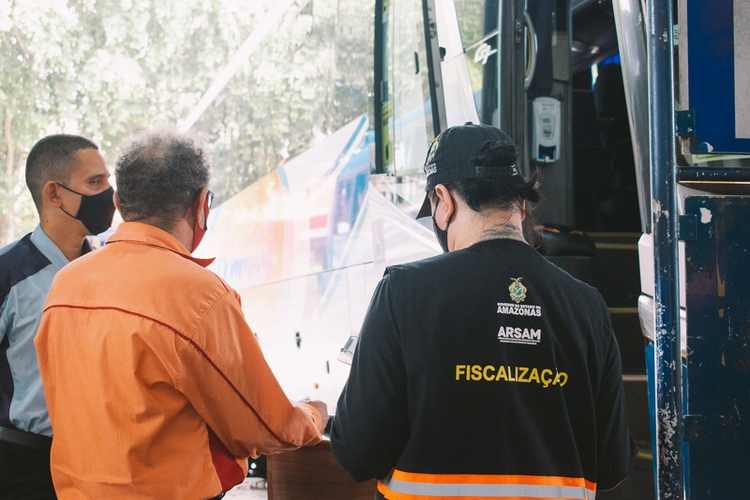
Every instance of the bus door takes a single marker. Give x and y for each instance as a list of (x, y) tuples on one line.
[(552, 75), (713, 173)]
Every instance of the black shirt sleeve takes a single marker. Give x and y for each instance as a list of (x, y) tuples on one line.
[(371, 425), (616, 448)]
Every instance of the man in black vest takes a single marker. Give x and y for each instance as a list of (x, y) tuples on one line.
[(486, 371)]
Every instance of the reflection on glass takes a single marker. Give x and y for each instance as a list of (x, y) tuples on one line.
[(478, 25), (408, 109)]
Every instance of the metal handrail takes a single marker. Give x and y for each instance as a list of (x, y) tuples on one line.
[(532, 51), (670, 460)]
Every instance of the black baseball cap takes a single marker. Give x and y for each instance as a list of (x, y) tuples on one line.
[(451, 157)]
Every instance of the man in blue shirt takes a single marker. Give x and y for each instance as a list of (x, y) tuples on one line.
[(69, 182)]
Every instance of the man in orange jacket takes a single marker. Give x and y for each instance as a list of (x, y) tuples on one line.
[(156, 386)]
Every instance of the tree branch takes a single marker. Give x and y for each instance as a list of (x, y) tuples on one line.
[(11, 153)]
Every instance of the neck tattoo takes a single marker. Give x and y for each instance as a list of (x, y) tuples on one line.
[(506, 231)]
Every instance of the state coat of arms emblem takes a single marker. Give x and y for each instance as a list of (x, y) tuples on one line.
[(517, 291)]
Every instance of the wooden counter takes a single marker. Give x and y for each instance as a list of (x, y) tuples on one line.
[(313, 473)]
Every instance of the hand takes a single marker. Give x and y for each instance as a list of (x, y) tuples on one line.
[(322, 409)]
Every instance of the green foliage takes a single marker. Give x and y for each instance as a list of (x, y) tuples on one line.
[(108, 69)]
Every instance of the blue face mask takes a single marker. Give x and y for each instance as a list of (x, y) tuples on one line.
[(440, 234)]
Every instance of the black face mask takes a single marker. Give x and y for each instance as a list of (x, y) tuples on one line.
[(96, 212), (440, 234)]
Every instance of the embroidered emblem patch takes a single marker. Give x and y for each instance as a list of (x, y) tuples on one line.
[(517, 291), (433, 150), (430, 167)]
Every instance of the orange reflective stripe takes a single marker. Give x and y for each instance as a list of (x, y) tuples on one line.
[(402, 485), (492, 479)]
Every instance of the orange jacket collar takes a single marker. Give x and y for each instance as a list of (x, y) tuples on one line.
[(146, 234)]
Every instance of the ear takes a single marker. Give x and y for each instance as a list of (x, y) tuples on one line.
[(523, 209), (116, 200), (447, 202), (200, 206), (50, 194)]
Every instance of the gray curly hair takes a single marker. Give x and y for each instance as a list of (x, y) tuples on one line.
[(158, 175)]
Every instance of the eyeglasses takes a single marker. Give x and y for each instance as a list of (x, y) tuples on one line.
[(210, 198)]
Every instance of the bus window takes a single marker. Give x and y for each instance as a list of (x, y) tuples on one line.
[(478, 25), (407, 109)]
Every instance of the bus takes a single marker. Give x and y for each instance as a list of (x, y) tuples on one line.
[(601, 96)]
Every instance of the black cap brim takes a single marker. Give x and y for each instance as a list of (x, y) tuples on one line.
[(426, 208)]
